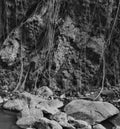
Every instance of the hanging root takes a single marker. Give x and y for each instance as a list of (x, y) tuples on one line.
[(20, 79), (103, 79)]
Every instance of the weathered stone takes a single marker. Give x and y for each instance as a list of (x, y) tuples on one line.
[(48, 106), (29, 96), (16, 104), (34, 112), (98, 126), (69, 29), (55, 103), (33, 99), (45, 123), (95, 45), (79, 123), (29, 116), (61, 118), (45, 107), (26, 122), (9, 54), (32, 30), (44, 92), (90, 111), (55, 125)]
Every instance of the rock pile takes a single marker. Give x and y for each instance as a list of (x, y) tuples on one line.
[(41, 112)]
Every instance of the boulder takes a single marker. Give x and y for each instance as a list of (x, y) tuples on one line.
[(30, 96), (29, 116), (32, 99), (45, 123), (16, 104), (26, 122), (61, 118), (50, 106), (55, 125), (34, 112), (47, 108), (79, 123), (55, 103), (90, 111)]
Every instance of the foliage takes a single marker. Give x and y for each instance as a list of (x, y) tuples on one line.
[(76, 43)]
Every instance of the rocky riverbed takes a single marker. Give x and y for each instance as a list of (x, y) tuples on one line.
[(46, 111)]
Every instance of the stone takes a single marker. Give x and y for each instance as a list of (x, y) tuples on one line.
[(90, 111), (29, 116), (29, 96), (55, 103), (61, 118), (34, 112), (79, 124), (44, 92), (26, 122), (45, 123), (42, 124), (16, 104), (98, 126), (55, 125), (32, 99), (47, 108)]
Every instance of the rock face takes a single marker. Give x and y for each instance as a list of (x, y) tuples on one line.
[(90, 111), (16, 11), (31, 32)]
